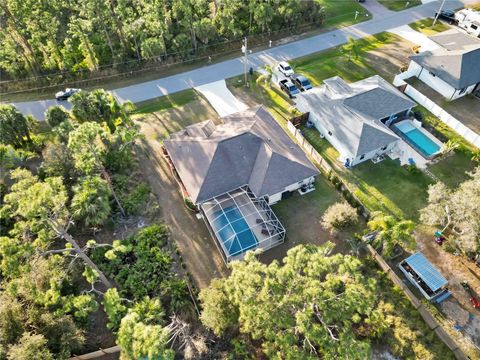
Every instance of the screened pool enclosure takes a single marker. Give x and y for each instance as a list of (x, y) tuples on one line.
[(239, 221)]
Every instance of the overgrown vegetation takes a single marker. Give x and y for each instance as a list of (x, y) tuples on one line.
[(331, 306), (57, 189), (426, 26)]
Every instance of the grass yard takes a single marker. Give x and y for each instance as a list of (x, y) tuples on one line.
[(425, 26), (166, 102), (399, 5), (342, 13), (353, 67)]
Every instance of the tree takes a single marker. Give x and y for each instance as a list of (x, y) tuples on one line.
[(99, 106), (310, 307), (141, 334), (30, 347), (456, 211), (42, 209), (14, 127), (338, 216), (87, 143), (392, 232), (12, 322), (91, 201), (55, 115)]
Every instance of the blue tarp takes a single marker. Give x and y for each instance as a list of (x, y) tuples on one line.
[(427, 272)]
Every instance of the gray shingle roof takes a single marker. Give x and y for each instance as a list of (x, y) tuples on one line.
[(457, 62), (246, 148), (353, 113)]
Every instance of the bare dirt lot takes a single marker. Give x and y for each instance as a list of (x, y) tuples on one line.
[(197, 247)]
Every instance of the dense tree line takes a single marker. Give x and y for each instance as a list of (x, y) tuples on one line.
[(56, 189), (41, 37)]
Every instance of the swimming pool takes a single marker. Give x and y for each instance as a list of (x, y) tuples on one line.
[(233, 231), (418, 138)]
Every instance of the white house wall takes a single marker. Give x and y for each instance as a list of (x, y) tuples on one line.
[(440, 86), (272, 199), (372, 154)]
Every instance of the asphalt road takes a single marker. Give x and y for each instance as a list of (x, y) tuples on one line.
[(206, 74)]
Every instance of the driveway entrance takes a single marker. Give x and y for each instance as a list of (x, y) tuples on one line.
[(221, 98)]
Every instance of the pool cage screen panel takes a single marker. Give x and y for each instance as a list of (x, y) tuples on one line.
[(239, 222)]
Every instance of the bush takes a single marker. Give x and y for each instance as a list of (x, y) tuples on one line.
[(338, 216), (56, 115), (450, 245), (413, 169)]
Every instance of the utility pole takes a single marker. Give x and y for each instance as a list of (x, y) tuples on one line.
[(245, 62), (438, 13)]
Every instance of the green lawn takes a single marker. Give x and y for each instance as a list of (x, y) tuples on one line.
[(384, 187), (342, 13), (166, 102), (425, 26), (399, 5), (320, 66)]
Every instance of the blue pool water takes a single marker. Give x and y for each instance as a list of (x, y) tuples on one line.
[(417, 137), (244, 239)]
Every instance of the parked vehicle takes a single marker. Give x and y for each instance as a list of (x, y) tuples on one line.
[(475, 302), (65, 94), (469, 20), (448, 16), (301, 82), (287, 86), (285, 68)]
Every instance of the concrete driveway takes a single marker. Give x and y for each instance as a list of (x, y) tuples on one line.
[(415, 37), (376, 9), (221, 98)]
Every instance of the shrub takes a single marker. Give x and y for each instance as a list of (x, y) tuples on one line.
[(413, 169), (56, 115), (338, 216)]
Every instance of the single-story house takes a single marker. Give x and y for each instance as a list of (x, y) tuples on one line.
[(453, 70), (233, 169), (355, 117)]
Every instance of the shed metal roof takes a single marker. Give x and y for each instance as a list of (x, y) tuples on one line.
[(427, 272)]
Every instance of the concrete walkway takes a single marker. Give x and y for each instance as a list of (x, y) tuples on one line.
[(221, 98), (415, 37), (233, 67)]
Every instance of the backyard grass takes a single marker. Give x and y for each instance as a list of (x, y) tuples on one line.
[(399, 5), (166, 102), (425, 26)]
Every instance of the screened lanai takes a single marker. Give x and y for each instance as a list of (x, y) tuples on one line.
[(239, 222)]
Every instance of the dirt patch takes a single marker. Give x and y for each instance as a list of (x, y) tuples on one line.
[(197, 247), (464, 109), (390, 58)]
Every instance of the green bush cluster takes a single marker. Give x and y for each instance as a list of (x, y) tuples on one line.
[(132, 197), (144, 269)]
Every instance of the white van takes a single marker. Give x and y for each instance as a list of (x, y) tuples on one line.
[(469, 20)]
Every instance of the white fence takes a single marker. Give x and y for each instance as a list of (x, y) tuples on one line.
[(467, 133)]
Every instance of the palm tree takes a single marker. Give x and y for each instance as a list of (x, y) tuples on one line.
[(476, 156), (351, 48), (449, 146), (392, 232), (267, 76)]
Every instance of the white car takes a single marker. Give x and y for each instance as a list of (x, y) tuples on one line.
[(285, 68), (64, 95)]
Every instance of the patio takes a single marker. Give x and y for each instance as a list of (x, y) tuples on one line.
[(239, 221)]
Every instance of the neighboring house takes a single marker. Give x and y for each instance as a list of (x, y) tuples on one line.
[(355, 117), (453, 70), (233, 169)]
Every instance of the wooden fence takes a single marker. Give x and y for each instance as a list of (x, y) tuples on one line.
[(431, 322), (97, 354)]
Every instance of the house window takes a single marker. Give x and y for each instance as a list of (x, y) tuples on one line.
[(463, 90), (432, 74), (362, 157), (330, 133), (384, 148), (474, 27)]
